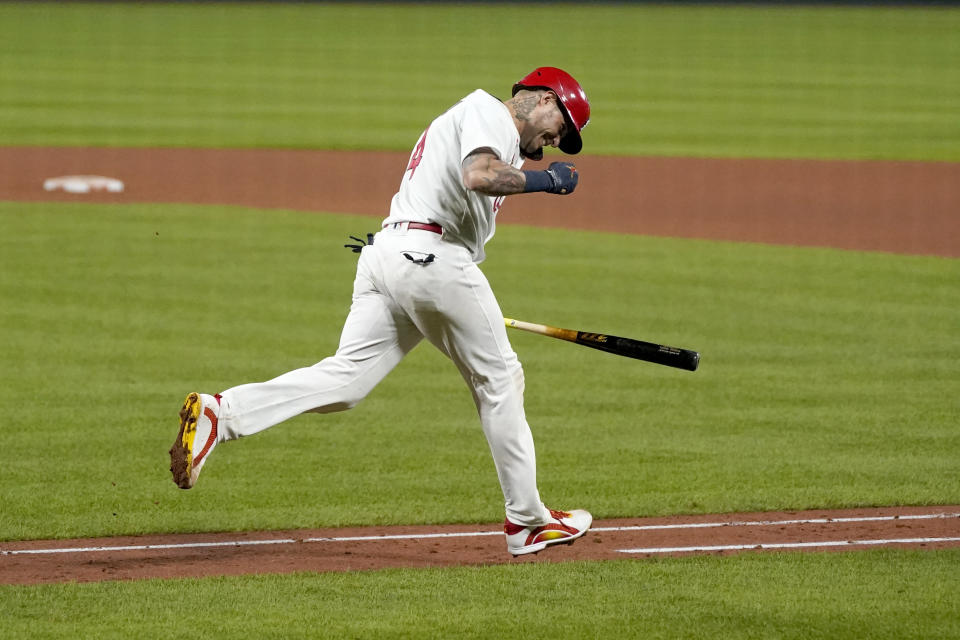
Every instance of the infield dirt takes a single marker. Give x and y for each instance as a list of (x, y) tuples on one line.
[(900, 207), (368, 548), (882, 206)]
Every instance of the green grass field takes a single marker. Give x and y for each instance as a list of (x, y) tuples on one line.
[(800, 402), (702, 81), (828, 378), (895, 595)]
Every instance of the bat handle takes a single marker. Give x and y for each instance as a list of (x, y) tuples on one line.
[(542, 329)]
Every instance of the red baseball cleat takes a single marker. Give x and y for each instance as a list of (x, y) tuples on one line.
[(566, 527)]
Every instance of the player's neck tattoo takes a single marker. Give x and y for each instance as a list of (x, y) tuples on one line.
[(524, 105)]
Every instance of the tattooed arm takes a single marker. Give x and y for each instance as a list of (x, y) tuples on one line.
[(485, 173)]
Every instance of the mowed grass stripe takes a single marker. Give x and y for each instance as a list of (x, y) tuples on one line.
[(757, 81)]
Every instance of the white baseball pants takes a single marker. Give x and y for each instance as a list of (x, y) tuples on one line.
[(400, 296)]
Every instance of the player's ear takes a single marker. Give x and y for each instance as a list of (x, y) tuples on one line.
[(547, 97)]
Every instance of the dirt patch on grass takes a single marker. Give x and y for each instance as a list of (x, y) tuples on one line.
[(902, 207)]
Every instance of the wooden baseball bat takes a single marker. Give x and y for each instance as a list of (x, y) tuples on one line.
[(647, 351)]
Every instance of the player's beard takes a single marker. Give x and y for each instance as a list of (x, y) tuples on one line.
[(532, 155)]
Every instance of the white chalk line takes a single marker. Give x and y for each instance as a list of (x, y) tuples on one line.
[(766, 523), (464, 534), (246, 543), (788, 545)]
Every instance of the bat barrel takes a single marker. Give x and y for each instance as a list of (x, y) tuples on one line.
[(679, 358), (649, 352)]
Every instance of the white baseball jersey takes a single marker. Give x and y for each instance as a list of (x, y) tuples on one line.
[(432, 187)]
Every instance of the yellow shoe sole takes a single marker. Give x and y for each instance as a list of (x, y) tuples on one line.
[(181, 456)]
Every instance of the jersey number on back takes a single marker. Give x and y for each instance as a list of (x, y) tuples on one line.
[(417, 155)]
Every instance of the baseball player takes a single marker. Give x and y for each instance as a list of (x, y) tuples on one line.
[(419, 279)]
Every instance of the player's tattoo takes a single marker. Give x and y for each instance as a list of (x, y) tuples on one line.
[(524, 105), (506, 180), (495, 178)]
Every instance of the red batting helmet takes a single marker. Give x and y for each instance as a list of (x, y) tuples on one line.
[(576, 107)]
